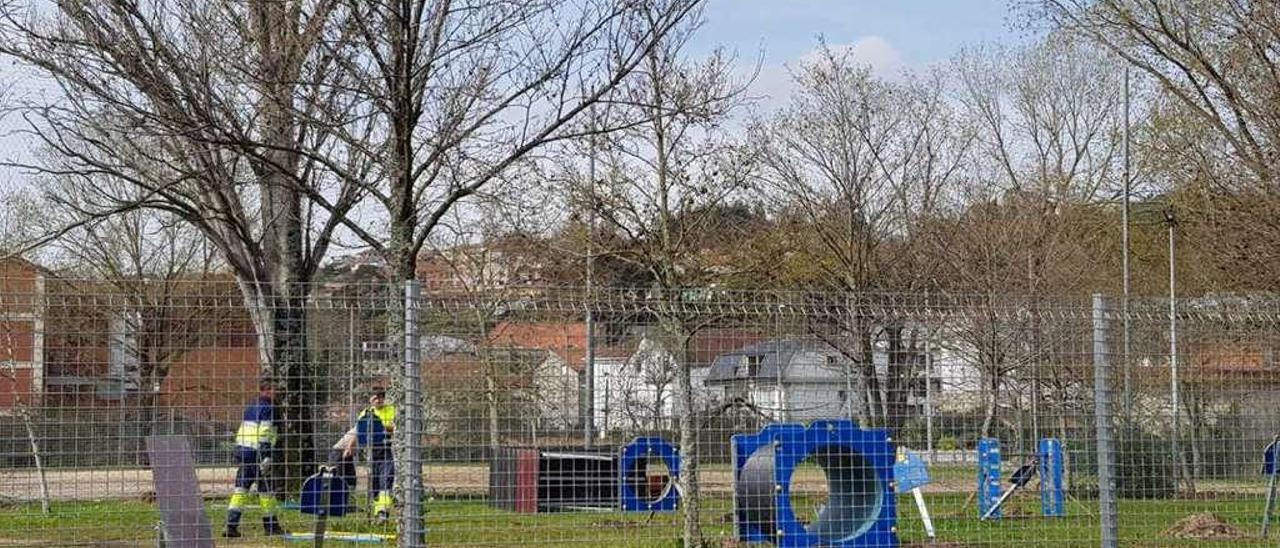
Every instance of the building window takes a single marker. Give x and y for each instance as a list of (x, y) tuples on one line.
[(752, 366)]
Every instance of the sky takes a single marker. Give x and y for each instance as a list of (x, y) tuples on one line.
[(889, 35)]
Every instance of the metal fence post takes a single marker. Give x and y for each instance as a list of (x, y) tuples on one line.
[(412, 530), (1103, 419)]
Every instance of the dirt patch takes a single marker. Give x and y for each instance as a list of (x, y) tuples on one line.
[(1203, 526)]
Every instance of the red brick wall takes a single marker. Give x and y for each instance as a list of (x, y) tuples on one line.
[(212, 383), (17, 336), (15, 386), (17, 341)]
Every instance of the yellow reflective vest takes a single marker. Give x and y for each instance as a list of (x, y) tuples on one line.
[(386, 415), (258, 427)]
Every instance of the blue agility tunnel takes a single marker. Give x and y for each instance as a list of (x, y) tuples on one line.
[(861, 509), (633, 487)]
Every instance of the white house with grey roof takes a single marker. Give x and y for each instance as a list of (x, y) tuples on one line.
[(789, 380)]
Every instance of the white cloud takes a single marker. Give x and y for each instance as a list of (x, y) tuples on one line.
[(773, 84), (873, 51)]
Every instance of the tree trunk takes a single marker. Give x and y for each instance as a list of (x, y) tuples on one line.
[(403, 263), (147, 419), (297, 404), (280, 324), (491, 404), (39, 462), (993, 398), (281, 282), (870, 380), (687, 482), (1067, 476), (1191, 470), (899, 374)]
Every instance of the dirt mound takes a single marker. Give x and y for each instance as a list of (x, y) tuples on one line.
[(1204, 526)]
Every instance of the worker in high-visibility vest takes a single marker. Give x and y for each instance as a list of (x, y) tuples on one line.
[(382, 468), (253, 457)]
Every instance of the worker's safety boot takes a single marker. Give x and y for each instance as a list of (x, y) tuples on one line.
[(232, 531), (271, 526), (233, 525)]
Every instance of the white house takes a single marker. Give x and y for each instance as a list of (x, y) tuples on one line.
[(788, 380)]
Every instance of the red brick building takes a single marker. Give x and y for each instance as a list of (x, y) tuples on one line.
[(21, 334)]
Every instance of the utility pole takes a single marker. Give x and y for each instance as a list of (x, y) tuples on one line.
[(589, 384), (1125, 246), (928, 396), (1171, 221)]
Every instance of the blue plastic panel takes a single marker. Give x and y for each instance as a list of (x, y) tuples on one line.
[(1052, 497), (988, 476), (636, 454)]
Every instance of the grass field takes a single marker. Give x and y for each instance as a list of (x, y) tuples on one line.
[(472, 522)]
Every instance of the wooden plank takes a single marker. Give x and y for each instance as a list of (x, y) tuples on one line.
[(526, 495)]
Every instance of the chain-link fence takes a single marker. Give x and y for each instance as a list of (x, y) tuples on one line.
[(629, 417)]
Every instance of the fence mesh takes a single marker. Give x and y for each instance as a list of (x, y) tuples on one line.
[(633, 417)]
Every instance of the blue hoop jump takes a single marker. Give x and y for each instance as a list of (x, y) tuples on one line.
[(631, 470), (861, 510), (313, 495)]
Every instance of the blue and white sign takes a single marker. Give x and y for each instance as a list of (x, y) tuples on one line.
[(910, 471)]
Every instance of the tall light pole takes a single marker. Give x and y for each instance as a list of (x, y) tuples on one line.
[(1124, 261), (1171, 221), (928, 395), (589, 384)]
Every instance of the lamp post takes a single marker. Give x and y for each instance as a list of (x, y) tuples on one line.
[(1124, 259), (1171, 222), (589, 384)]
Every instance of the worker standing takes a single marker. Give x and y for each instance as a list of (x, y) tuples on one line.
[(253, 457), (381, 463)]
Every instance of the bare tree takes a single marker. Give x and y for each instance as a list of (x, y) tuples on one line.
[(483, 268), (1215, 133), (1221, 68), (460, 91), (25, 406), (665, 179), (202, 109), (858, 162), (165, 287), (1049, 117), (1047, 158)]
